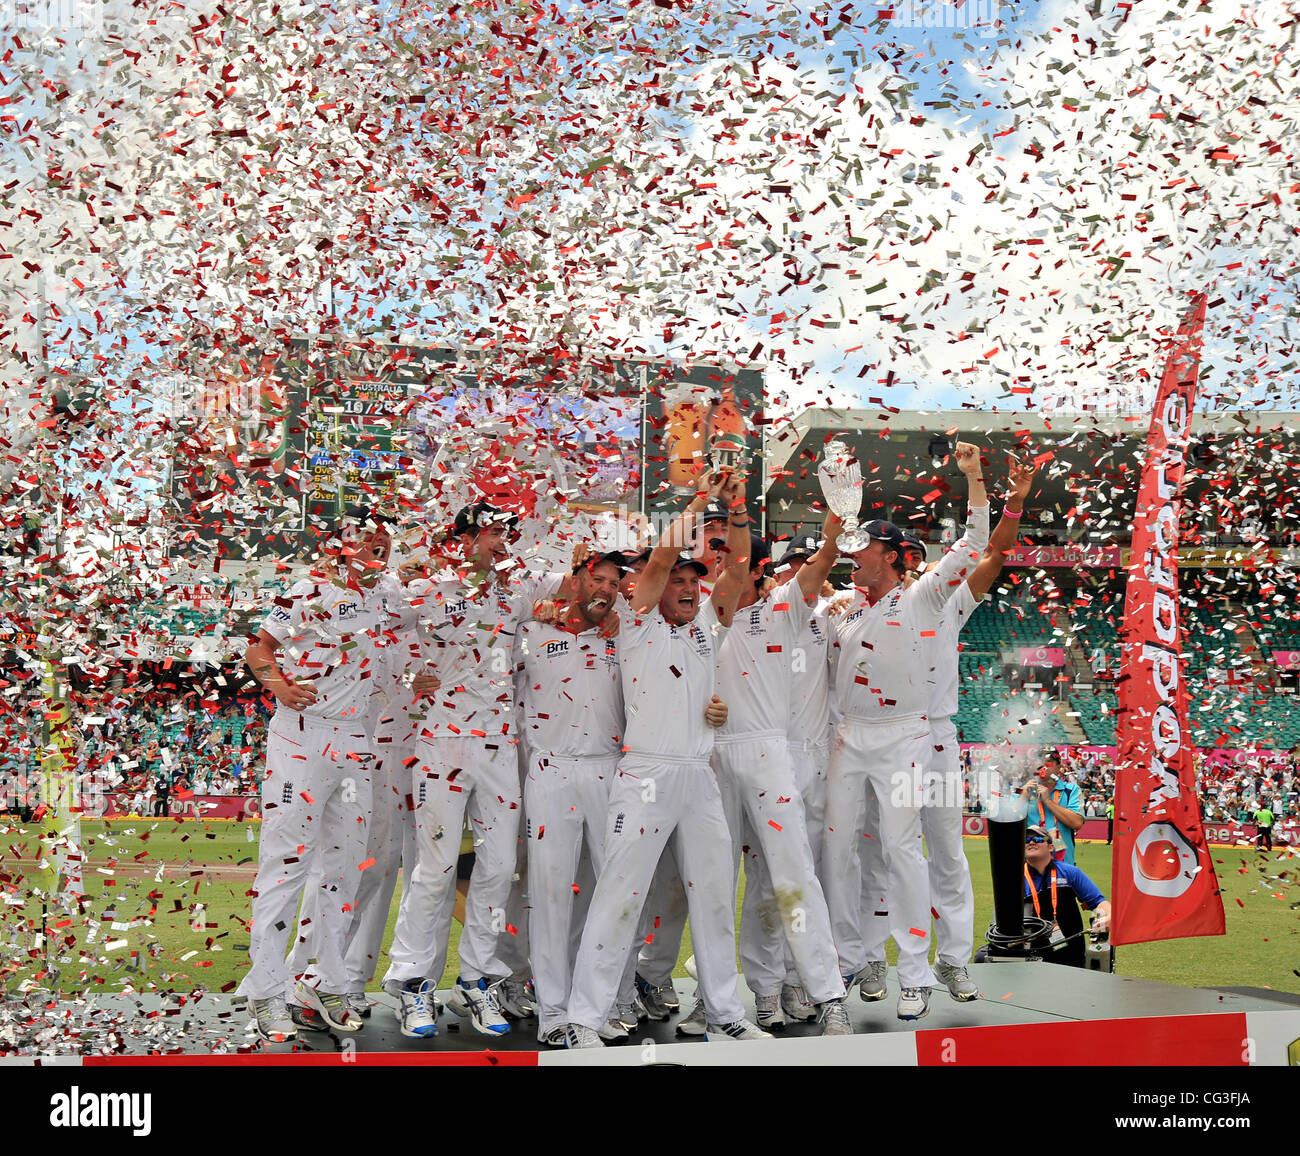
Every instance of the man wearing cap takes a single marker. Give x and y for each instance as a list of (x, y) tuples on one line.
[(317, 652), (1049, 886), (886, 655), (465, 762), (665, 790), (951, 896), (762, 800)]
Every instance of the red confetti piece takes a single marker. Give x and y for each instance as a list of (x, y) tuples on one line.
[(367, 864), (774, 824)]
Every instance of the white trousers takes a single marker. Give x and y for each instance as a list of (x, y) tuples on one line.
[(566, 802), (663, 924), (892, 756), (951, 894), (652, 802), (764, 810), (315, 813), (390, 843), (454, 777)]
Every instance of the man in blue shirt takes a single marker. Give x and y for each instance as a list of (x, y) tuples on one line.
[(1044, 876), (1055, 805)]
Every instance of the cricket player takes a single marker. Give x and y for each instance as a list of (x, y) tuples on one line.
[(465, 763), (317, 652), (665, 789), (887, 652), (762, 800)]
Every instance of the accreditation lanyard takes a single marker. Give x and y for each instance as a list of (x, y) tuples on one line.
[(1033, 892), (1042, 811)]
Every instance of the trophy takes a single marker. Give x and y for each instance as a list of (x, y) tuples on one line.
[(841, 481)]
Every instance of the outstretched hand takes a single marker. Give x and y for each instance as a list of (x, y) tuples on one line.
[(1021, 478)]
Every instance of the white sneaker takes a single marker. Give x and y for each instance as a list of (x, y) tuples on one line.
[(271, 1020), (552, 1037), (479, 1004), (515, 1000), (694, 1024), (358, 1004), (871, 986), (960, 985), (333, 1009), (627, 1016), (578, 1036), (613, 1030), (834, 1018), (419, 1020), (796, 1005), (767, 1011), (740, 1030), (913, 1003)]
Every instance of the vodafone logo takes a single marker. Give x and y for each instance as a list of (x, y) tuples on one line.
[(1164, 862)]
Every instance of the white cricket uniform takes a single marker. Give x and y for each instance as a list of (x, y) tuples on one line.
[(883, 686), (762, 800), (664, 790), (951, 894), (573, 726), (808, 741), (465, 764), (316, 796), (390, 836)]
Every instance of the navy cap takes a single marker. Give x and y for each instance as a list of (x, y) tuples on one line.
[(801, 546), (619, 559), (688, 558), (714, 512), (760, 553), (472, 519), (912, 542), (885, 532)]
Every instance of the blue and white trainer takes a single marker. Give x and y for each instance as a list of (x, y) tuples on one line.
[(480, 1004)]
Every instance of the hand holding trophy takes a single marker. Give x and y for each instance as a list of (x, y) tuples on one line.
[(840, 476)]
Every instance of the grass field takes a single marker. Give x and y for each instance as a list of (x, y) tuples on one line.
[(146, 879)]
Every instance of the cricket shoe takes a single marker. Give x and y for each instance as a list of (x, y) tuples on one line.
[(656, 999), (834, 1018), (333, 1008), (960, 985), (740, 1030), (614, 1031), (553, 1037), (694, 1024), (796, 1005), (913, 1003), (871, 984), (417, 1010), (627, 1016), (479, 1003), (272, 1021), (358, 1004), (516, 1002), (579, 1036), (768, 1013), (307, 1019)]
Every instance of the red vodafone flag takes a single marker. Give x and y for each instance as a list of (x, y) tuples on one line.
[(1163, 876)]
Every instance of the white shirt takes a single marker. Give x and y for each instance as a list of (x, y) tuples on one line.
[(331, 636), (668, 681), (572, 692), (888, 652), (467, 636), (754, 663), (810, 696), (943, 701)]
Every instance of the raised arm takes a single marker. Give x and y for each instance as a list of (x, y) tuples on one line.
[(652, 580), (1003, 538), (938, 585), (813, 574), (726, 591)]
